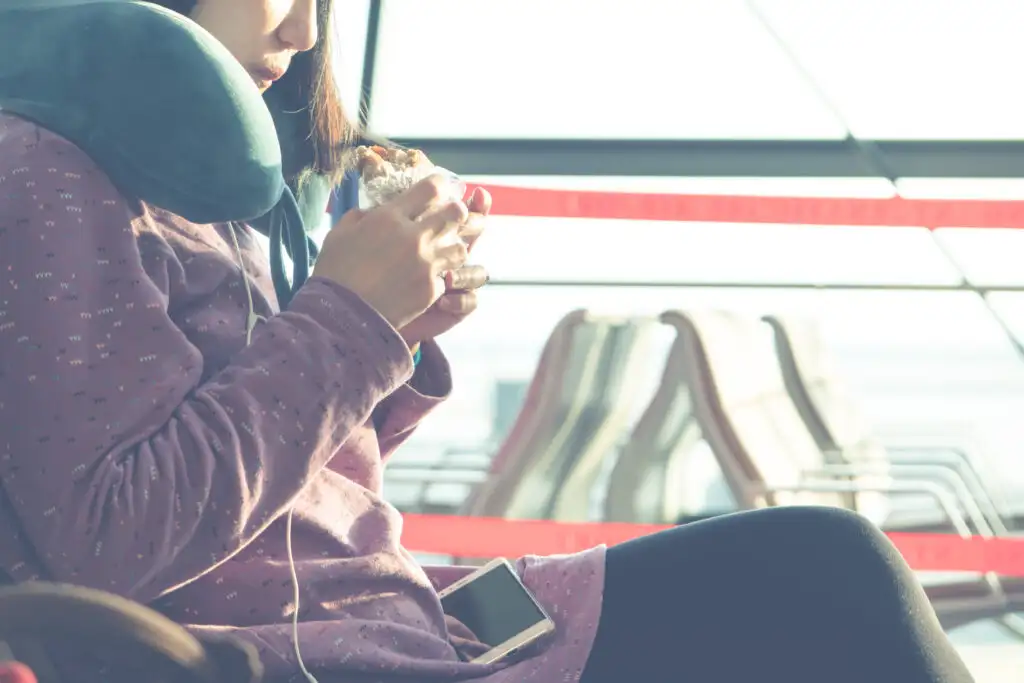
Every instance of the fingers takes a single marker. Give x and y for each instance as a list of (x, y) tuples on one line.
[(427, 196), (445, 219), (451, 258), (480, 202), (467, 278), (471, 230), (458, 303), (479, 206)]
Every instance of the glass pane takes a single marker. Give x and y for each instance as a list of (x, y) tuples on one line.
[(961, 188), (933, 361), (579, 69), (936, 361), (568, 250), (906, 69), (542, 249), (988, 257), (350, 18), (1010, 307), (869, 188)]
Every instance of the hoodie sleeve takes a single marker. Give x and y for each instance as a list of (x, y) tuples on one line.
[(398, 416), (125, 470)]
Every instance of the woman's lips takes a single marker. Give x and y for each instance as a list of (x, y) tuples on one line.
[(266, 76)]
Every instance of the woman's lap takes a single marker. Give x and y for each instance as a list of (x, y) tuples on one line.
[(794, 594), (570, 588)]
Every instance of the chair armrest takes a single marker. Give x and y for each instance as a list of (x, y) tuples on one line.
[(424, 475), (946, 502), (950, 478), (941, 496), (455, 459), (960, 462)]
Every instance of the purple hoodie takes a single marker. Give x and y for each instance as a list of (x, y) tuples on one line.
[(149, 452)]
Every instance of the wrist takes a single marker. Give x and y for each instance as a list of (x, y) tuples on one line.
[(433, 376)]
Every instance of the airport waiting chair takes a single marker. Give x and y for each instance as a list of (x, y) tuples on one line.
[(769, 457), (641, 486), (832, 417), (529, 487), (603, 422), (554, 400), (565, 363), (837, 425)]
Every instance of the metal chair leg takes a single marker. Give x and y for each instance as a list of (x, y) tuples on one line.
[(1013, 624)]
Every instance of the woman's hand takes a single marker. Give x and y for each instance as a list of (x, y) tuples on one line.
[(461, 284), (394, 256)]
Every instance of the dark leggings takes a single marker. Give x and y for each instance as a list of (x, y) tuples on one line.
[(795, 595)]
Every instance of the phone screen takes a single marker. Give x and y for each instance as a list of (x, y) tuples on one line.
[(495, 607)]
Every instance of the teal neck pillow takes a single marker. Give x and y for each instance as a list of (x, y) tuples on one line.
[(163, 108)]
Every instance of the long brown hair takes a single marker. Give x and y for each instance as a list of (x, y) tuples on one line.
[(309, 85)]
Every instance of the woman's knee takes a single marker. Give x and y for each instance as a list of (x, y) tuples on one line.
[(783, 537), (780, 541), (834, 540), (821, 522)]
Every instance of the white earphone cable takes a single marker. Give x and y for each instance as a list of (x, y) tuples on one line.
[(252, 319)]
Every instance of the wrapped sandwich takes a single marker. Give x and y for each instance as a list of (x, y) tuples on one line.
[(386, 173)]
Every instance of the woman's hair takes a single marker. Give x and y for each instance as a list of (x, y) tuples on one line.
[(309, 85)]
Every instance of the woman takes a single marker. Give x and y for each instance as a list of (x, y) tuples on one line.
[(152, 450)]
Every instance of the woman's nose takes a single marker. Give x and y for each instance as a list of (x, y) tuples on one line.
[(298, 31)]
